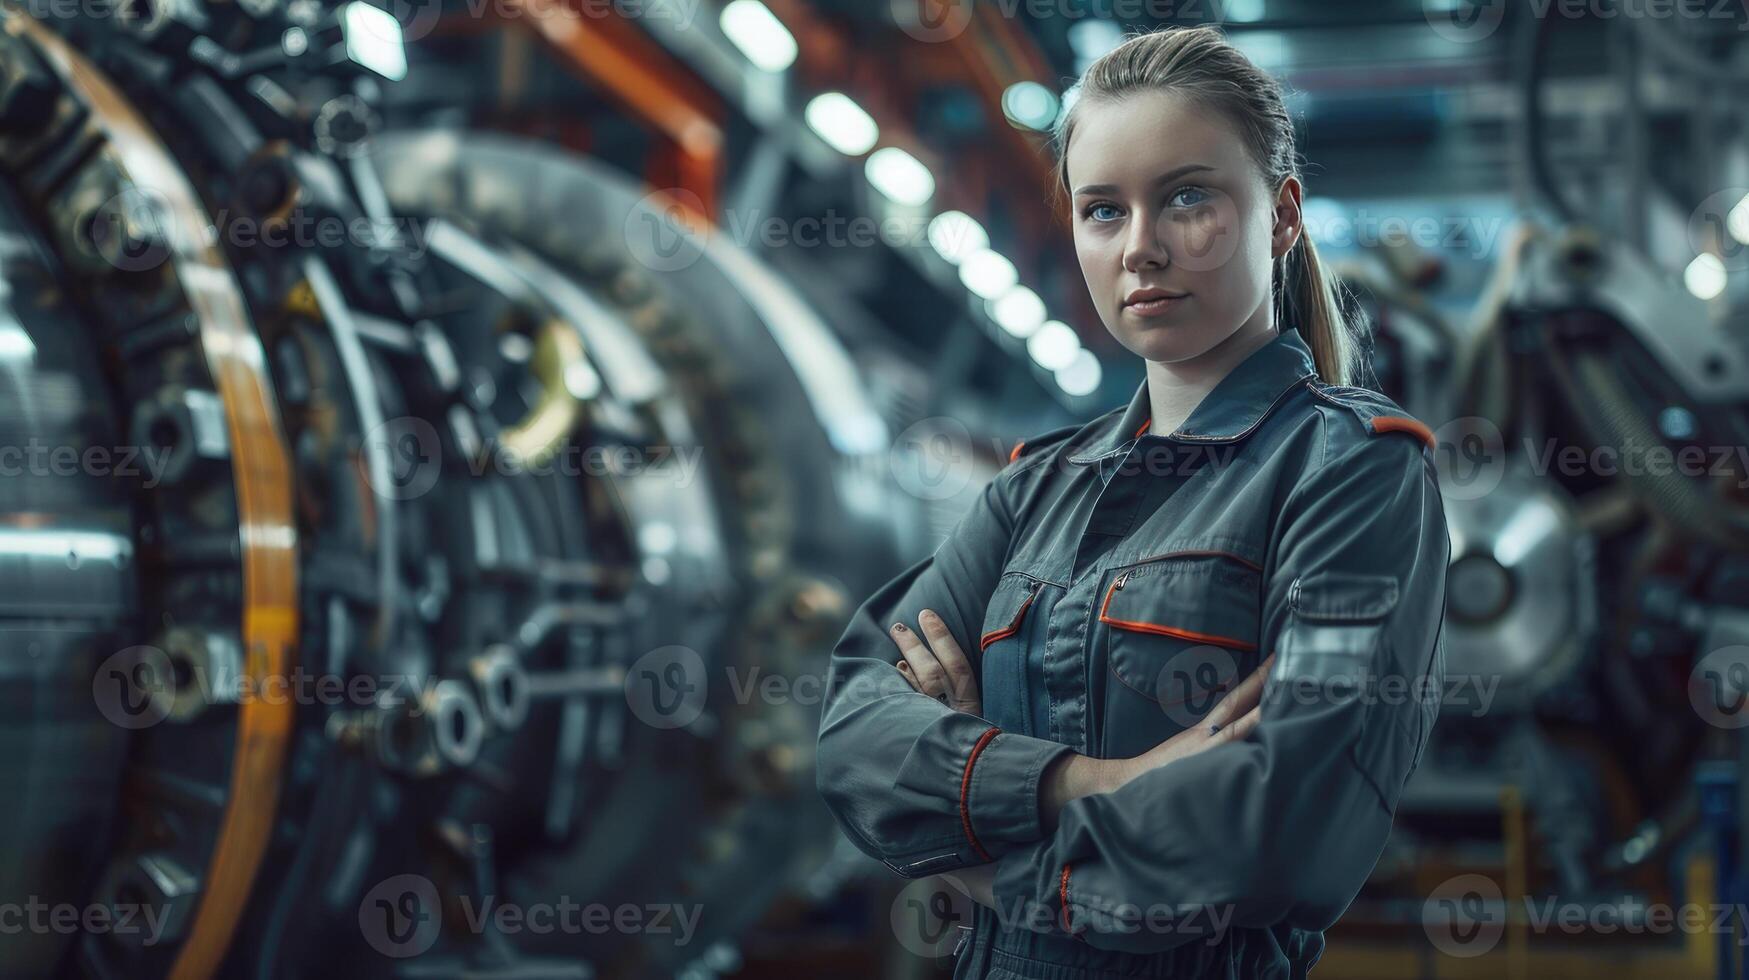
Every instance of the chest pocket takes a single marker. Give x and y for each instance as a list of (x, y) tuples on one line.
[(1002, 645), (1179, 631)]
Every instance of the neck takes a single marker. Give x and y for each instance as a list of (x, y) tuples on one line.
[(1176, 388)]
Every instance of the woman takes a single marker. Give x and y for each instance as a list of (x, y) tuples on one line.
[(1084, 737)]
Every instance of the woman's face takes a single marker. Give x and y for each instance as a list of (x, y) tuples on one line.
[(1165, 198)]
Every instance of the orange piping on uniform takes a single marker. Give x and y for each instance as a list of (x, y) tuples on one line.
[(1009, 630), (965, 788), (1163, 630), (1014, 454), (1063, 897), (1397, 423)]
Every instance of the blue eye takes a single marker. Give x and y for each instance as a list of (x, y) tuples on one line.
[(1190, 190), (1092, 208)]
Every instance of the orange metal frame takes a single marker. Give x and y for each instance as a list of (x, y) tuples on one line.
[(261, 468), (652, 85)]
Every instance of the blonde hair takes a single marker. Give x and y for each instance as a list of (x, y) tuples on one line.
[(1202, 64)]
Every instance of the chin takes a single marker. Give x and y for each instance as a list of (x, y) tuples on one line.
[(1167, 342)]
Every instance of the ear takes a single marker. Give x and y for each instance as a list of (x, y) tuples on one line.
[(1289, 219)]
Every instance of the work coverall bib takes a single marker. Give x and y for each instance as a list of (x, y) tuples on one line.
[(1110, 585)]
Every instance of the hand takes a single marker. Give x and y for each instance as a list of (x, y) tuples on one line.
[(1074, 775), (939, 667), (1231, 719)]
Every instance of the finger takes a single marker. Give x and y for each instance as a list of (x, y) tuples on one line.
[(962, 684), (1239, 730), (905, 672), (931, 679), (1244, 697)]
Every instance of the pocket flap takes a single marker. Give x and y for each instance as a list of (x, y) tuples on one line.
[(1343, 596), (1198, 600), (1182, 629), (1006, 612)]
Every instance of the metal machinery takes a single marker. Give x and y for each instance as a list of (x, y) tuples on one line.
[(413, 538), (1595, 478), (1589, 583), (551, 481)]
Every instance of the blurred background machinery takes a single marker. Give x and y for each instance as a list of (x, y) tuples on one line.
[(440, 442)]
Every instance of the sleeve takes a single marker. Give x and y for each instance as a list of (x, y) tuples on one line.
[(913, 783), (1285, 826)]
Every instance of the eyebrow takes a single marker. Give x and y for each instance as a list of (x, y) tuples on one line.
[(1169, 175)]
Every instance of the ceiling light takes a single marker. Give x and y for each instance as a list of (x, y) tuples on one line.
[(1082, 376), (956, 234), (1054, 347), (986, 273), (1705, 276), (842, 123), (900, 176), (753, 28), (1019, 311)]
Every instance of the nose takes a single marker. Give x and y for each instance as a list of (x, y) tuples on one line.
[(1143, 248)]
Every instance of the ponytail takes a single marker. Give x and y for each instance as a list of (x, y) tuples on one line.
[(1309, 297)]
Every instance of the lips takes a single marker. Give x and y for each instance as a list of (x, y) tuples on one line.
[(1151, 293), (1152, 302)]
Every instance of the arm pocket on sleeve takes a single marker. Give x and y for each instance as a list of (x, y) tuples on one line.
[(1335, 622), (1338, 596), (1337, 639)]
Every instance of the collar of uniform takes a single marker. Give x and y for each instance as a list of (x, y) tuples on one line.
[(1236, 405)]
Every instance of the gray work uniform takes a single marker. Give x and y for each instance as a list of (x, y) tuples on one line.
[(1109, 585)]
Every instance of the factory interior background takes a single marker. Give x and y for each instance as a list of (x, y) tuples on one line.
[(442, 440)]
